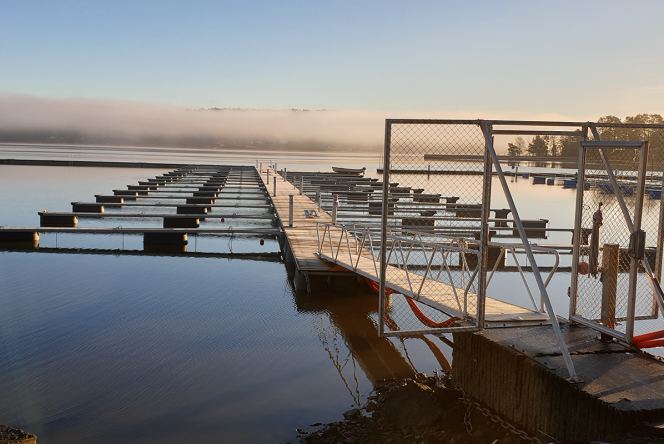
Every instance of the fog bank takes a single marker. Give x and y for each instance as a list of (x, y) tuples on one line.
[(31, 119)]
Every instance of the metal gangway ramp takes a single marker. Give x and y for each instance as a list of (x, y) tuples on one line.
[(446, 283)]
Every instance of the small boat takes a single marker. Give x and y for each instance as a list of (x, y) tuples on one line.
[(342, 170)]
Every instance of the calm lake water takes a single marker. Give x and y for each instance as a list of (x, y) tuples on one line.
[(109, 348)]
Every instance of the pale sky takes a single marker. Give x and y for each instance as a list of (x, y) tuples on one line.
[(577, 59)]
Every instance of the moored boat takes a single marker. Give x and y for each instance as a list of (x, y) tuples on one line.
[(343, 170)]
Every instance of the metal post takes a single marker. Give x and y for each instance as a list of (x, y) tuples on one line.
[(290, 210), (318, 199), (576, 237), (484, 238), (285, 174), (268, 177), (301, 184), (382, 300), (274, 184), (275, 168), (335, 205), (261, 167)]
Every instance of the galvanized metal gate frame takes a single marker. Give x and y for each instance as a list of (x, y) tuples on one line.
[(491, 161), (632, 225)]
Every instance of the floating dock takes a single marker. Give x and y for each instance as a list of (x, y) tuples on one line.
[(193, 190)]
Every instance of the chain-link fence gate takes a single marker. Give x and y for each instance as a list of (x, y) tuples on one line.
[(436, 191), (437, 203), (617, 260)]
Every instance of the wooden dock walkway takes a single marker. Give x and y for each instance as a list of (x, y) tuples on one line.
[(301, 238)]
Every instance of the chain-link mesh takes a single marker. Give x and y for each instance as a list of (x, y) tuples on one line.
[(603, 292), (654, 135), (436, 176)]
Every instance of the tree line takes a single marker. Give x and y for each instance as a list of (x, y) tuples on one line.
[(568, 146)]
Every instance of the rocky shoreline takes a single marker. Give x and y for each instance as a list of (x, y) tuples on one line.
[(10, 435), (428, 410)]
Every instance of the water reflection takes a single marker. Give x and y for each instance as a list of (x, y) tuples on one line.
[(350, 319)]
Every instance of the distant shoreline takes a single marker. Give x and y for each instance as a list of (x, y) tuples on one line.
[(89, 163)]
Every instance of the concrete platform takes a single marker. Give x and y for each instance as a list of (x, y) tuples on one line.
[(521, 374)]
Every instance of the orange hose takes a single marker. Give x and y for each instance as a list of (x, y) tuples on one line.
[(650, 344), (647, 337), (413, 306), (427, 320), (375, 287)]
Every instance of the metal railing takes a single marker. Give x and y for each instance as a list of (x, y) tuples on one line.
[(438, 282), (424, 271)]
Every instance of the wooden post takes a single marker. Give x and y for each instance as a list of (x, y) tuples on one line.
[(610, 261)]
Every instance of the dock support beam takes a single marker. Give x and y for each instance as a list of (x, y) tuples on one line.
[(77, 207), (181, 222), (47, 220)]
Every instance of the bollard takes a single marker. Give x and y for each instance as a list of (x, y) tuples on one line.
[(335, 205), (290, 210), (268, 177), (318, 199), (301, 184), (274, 184)]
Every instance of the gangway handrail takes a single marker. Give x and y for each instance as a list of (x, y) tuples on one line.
[(366, 235), (361, 236)]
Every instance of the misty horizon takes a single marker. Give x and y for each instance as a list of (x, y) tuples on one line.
[(37, 120)]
